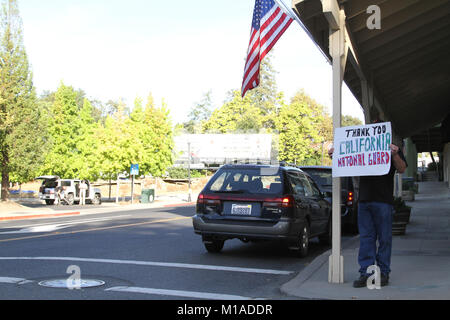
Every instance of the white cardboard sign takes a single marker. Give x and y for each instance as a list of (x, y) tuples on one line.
[(362, 150)]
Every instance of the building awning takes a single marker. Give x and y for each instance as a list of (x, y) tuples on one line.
[(406, 61)]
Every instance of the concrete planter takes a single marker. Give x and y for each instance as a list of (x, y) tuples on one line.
[(402, 216), (398, 228), (408, 195)]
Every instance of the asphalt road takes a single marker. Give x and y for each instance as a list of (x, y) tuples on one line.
[(139, 254)]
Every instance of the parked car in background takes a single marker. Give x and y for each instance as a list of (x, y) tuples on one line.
[(349, 193), (71, 188), (47, 190), (258, 202)]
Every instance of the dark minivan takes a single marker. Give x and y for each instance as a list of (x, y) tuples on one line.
[(260, 202), (322, 175)]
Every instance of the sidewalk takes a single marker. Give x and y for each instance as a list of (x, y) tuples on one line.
[(30, 209), (420, 259)]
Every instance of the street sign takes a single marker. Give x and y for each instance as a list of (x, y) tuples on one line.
[(134, 170)]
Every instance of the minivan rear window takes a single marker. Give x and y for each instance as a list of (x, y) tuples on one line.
[(248, 180)]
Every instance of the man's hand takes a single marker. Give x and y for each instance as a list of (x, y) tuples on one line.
[(399, 164), (394, 149)]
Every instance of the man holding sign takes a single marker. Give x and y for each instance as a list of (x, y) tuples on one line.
[(368, 152)]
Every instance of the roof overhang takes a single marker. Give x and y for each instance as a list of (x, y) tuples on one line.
[(405, 62)]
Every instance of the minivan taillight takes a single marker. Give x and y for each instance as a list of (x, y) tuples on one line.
[(284, 202), (205, 202), (287, 202), (208, 200)]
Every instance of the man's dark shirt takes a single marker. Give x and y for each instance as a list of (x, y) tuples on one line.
[(379, 188)]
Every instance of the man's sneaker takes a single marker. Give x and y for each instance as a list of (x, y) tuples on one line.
[(361, 282), (384, 280)]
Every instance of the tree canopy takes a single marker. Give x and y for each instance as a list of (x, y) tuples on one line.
[(22, 131)]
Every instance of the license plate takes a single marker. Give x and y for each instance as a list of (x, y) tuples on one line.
[(241, 209)]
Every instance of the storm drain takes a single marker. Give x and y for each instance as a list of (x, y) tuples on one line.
[(64, 284)]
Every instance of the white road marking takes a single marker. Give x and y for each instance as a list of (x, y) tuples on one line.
[(157, 264), (14, 280), (179, 293), (152, 291), (56, 226)]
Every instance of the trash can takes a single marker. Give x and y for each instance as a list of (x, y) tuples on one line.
[(147, 195)]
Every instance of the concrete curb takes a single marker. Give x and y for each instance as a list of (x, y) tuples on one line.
[(291, 288), (12, 216), (44, 215)]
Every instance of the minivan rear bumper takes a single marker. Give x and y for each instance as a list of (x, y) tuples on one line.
[(214, 225)]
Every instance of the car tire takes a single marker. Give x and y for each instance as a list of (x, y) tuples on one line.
[(214, 246), (70, 199), (303, 241), (49, 202)]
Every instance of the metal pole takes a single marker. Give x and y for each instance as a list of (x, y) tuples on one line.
[(189, 172), (132, 187), (117, 188)]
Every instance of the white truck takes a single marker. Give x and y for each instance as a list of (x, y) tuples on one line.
[(71, 188)]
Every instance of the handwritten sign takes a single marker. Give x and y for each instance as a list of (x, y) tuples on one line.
[(362, 150)]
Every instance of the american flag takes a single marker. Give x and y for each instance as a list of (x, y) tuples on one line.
[(269, 23)]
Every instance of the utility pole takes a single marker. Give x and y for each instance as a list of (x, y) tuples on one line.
[(189, 172), (132, 187), (117, 188)]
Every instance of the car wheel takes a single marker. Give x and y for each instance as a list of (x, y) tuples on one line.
[(303, 241), (214, 246), (70, 199), (49, 202)]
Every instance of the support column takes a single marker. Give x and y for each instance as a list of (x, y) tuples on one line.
[(366, 100), (338, 51)]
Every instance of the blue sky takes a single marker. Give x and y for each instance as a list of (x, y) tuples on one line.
[(177, 50)]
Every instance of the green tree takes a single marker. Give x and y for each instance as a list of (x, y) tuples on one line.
[(299, 137), (145, 137), (158, 143), (348, 120), (116, 150), (255, 112), (65, 133), (86, 163), (200, 113), (237, 115), (22, 135)]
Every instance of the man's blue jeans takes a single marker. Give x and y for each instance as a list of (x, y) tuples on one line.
[(375, 224)]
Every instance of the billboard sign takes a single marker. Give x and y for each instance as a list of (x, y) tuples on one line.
[(210, 148)]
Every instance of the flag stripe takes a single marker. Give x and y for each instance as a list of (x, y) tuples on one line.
[(253, 54), (274, 36), (268, 25)]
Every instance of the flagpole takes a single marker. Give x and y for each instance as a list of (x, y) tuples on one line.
[(292, 14)]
